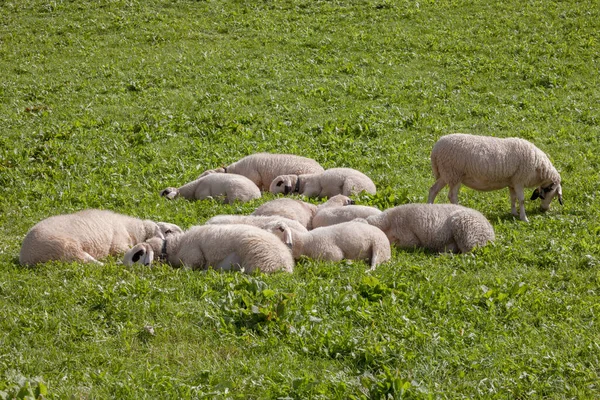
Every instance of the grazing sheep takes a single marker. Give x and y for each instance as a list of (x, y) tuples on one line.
[(355, 240), (262, 168), (230, 186), (438, 227), (222, 247), (488, 163), (340, 209), (346, 181), (297, 210), (87, 236), (260, 221)]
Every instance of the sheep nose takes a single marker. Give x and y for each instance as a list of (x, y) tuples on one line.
[(146, 264), (287, 189), (351, 202)]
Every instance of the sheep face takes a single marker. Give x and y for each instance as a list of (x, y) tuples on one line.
[(170, 193), (168, 229), (283, 184), (141, 253), (546, 194), (282, 231)]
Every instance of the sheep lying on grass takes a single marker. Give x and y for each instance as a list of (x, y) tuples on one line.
[(438, 227), (260, 221), (223, 247), (87, 236), (262, 168), (297, 210), (355, 240), (229, 186), (488, 163), (340, 209), (346, 181)]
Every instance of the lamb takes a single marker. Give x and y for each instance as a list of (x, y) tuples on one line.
[(230, 187), (340, 209), (297, 210), (223, 247), (355, 240), (87, 236), (262, 168), (346, 181), (488, 163), (437, 227), (260, 221)]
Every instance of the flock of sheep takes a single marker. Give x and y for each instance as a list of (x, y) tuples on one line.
[(282, 230)]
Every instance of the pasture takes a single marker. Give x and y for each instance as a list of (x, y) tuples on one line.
[(105, 103)]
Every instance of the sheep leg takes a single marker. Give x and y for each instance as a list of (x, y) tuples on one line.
[(88, 258), (453, 192), (232, 261), (513, 201), (435, 189), (521, 197)]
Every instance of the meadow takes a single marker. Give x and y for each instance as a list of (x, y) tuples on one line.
[(105, 103)]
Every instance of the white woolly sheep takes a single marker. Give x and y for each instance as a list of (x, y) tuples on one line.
[(87, 236), (355, 240), (488, 163), (260, 221), (223, 247), (262, 168), (437, 227), (230, 187), (340, 209), (297, 210), (346, 181)]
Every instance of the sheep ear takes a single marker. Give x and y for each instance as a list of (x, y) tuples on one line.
[(535, 195), (158, 232)]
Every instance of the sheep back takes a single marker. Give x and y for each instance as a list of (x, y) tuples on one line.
[(297, 210), (209, 245), (77, 236), (437, 227)]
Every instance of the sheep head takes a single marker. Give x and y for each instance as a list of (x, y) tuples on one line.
[(168, 229), (283, 184), (282, 231), (546, 194), (141, 253), (170, 193)]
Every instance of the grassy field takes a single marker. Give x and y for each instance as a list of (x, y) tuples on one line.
[(105, 103)]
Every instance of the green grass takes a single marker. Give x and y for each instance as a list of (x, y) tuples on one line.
[(105, 103)]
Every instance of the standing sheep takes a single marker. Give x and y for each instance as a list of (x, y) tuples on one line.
[(346, 181), (488, 163), (355, 240), (87, 235), (437, 227), (232, 187), (223, 247), (340, 209), (262, 168)]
